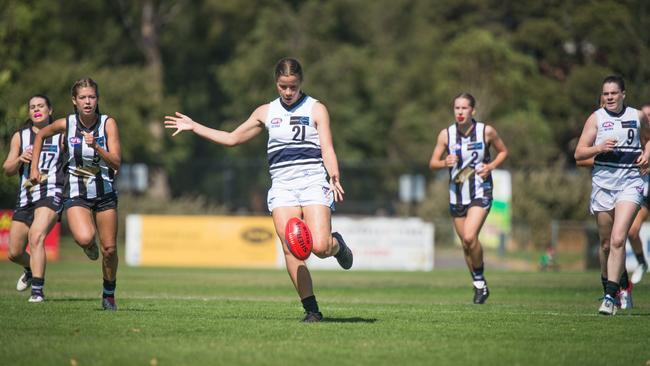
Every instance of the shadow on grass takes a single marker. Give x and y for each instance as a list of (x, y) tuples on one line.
[(348, 320)]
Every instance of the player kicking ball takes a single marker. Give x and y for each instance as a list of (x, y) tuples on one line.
[(301, 157)]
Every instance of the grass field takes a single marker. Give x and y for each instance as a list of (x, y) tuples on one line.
[(177, 316)]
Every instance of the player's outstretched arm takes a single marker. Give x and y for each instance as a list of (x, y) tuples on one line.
[(437, 162), (246, 131)]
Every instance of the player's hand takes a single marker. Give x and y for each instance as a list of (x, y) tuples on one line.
[(34, 175), (607, 146), (483, 170), (336, 188), (89, 139), (180, 122), (451, 160), (26, 156), (642, 163)]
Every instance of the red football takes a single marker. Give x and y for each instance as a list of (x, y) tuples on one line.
[(298, 238)]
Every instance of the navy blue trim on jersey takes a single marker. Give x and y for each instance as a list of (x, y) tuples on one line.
[(271, 147), (294, 106), (284, 155), (612, 114), (618, 157)]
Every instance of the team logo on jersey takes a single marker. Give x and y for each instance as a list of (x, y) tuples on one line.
[(608, 125), (74, 140), (299, 120), (628, 124), (275, 122), (475, 146), (100, 140)]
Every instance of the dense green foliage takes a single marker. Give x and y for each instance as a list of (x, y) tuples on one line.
[(386, 69), (182, 316)]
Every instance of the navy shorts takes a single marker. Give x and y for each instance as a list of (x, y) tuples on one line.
[(103, 203), (460, 210), (26, 214)]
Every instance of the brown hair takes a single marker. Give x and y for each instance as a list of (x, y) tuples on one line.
[(468, 96), (288, 66)]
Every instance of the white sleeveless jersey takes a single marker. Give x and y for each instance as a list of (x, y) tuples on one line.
[(617, 168), (471, 151), (50, 162), (88, 176), (294, 152)]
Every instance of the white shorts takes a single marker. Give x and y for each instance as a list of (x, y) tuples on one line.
[(603, 199), (315, 194)]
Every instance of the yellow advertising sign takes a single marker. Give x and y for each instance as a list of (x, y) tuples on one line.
[(221, 241)]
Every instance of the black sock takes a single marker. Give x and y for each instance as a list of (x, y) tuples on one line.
[(477, 274), (28, 272), (37, 285), (603, 280), (612, 289), (109, 288), (625, 282), (640, 258), (309, 304)]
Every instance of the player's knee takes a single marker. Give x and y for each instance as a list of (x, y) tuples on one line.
[(617, 241), (36, 239), (84, 239), (469, 241), (322, 248), (109, 252), (14, 255), (604, 245)]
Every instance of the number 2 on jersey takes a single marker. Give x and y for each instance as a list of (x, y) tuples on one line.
[(300, 133)]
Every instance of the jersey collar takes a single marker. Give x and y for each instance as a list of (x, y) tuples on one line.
[(619, 114), (294, 106)]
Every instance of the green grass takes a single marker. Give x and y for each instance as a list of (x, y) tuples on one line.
[(174, 316)]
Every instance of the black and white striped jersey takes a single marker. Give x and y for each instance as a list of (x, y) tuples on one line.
[(50, 166), (88, 176), (472, 150)]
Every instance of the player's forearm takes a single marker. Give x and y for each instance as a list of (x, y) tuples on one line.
[(331, 163), (11, 166), (586, 152), (499, 159), (113, 159), (214, 135)]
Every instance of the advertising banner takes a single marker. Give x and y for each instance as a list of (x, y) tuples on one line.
[(206, 241)]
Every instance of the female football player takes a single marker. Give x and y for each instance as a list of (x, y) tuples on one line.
[(93, 157), (616, 136), (39, 204), (467, 147), (301, 156)]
